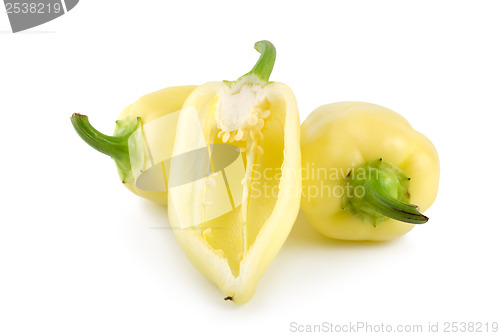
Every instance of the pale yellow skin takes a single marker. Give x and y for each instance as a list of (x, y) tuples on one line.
[(149, 108), (239, 247), (340, 136)]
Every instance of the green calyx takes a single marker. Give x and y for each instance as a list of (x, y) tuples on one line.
[(117, 146), (264, 66), (376, 191)]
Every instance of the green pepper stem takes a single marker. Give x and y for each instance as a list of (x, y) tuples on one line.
[(114, 146), (377, 190), (391, 207), (264, 66)]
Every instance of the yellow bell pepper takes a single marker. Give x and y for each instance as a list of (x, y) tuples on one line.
[(364, 167), (232, 220), (147, 113)]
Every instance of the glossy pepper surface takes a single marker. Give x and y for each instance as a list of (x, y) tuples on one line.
[(365, 170)]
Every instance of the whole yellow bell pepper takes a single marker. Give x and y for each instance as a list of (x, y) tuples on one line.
[(147, 113), (364, 167)]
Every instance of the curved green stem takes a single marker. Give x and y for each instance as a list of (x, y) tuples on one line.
[(377, 190), (391, 207), (264, 66), (114, 146)]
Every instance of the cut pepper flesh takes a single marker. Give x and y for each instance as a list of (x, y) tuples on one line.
[(232, 238)]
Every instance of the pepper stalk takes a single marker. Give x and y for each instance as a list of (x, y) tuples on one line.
[(377, 190), (117, 146), (265, 64)]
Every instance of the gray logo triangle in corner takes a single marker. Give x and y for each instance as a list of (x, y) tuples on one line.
[(70, 4), (31, 13)]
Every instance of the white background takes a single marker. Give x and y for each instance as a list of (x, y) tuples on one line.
[(80, 255)]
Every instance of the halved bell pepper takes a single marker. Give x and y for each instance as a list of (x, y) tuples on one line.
[(364, 169), (235, 176)]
